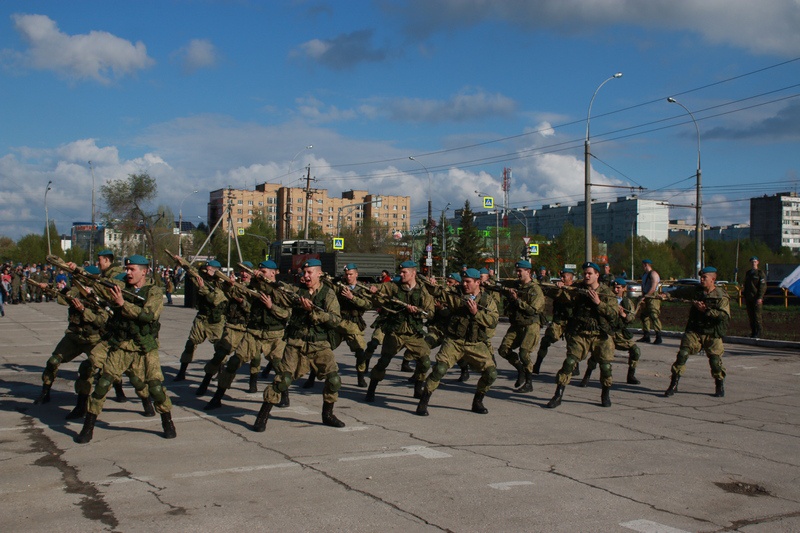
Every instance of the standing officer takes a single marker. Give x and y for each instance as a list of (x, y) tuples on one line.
[(351, 328), (133, 344), (589, 333), (707, 324), (651, 313), (473, 314), (755, 287), (209, 322), (308, 334), (525, 306), (623, 338), (403, 329)]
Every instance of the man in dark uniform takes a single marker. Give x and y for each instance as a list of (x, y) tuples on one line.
[(708, 322), (755, 287), (473, 314), (589, 333)]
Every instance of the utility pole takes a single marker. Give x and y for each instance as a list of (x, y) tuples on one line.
[(309, 194), (91, 240)]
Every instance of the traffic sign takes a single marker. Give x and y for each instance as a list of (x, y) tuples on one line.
[(338, 243), (488, 202), (526, 240), (533, 249), (240, 231)]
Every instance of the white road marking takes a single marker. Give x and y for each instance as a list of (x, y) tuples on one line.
[(745, 367), (508, 484), (423, 451), (647, 526), (235, 470), (353, 428)]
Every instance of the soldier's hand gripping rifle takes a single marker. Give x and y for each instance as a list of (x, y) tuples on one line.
[(90, 303), (283, 288), (95, 281), (186, 265)]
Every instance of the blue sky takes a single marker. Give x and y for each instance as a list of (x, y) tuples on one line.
[(205, 94)]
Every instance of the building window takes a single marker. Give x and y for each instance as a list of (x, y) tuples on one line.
[(250, 211), (238, 202), (239, 220), (238, 211), (249, 202), (249, 220)]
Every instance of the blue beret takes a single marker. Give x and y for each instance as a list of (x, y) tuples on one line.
[(455, 275), (396, 279), (312, 263), (589, 264), (542, 267), (92, 269), (248, 264), (484, 270), (620, 281), (269, 263), (120, 276), (708, 270), (647, 262), (137, 260), (214, 263), (105, 252), (351, 266), (473, 273), (754, 258), (523, 264), (408, 264), (568, 271)]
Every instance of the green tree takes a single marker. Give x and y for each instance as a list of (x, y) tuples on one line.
[(127, 203), (256, 240), (31, 248), (469, 250)]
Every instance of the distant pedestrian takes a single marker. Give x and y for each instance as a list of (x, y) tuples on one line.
[(755, 287)]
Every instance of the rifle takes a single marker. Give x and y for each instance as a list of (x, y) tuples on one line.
[(92, 304), (284, 288), (580, 290), (98, 283), (187, 266)]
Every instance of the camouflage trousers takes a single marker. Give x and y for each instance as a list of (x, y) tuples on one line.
[(597, 345), (298, 356), (651, 315), (201, 331), (144, 371), (416, 349), (524, 338), (475, 354), (691, 344), (249, 350)]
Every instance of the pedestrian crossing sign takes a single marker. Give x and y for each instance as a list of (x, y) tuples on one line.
[(488, 202), (533, 249), (338, 243), (240, 231)]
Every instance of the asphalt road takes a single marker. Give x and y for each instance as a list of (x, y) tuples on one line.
[(648, 463)]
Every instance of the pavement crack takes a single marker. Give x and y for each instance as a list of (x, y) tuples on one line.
[(92, 503)]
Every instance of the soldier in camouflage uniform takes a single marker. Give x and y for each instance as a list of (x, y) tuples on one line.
[(623, 338), (353, 303), (473, 314), (133, 345), (209, 322), (404, 328), (707, 324), (589, 332), (265, 333), (525, 306), (562, 310), (309, 333), (754, 288), (236, 318)]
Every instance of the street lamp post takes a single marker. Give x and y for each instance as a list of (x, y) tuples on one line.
[(699, 204), (47, 219), (587, 155), (180, 222), (444, 240), (91, 241), (524, 219), (428, 232)]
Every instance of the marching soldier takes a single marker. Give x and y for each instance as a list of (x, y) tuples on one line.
[(351, 328), (562, 310), (708, 322), (473, 314), (589, 333)]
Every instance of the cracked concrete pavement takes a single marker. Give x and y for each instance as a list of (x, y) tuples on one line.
[(649, 463)]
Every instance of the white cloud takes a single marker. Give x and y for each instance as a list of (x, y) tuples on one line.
[(342, 52), (197, 54), (469, 104), (98, 55)]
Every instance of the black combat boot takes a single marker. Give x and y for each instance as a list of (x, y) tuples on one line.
[(370, 397), (477, 404), (673, 385), (147, 404), (520, 374), (361, 381), (605, 397), (537, 365), (119, 394), (464, 377), (555, 401), (204, 384), (181, 375), (265, 372), (168, 426), (253, 383), (406, 366), (586, 376), (720, 388), (422, 406), (645, 337), (658, 338), (632, 380), (328, 418), (312, 378), (80, 408), (284, 399), (44, 396), (87, 432), (528, 385), (216, 400), (260, 424), (418, 388)]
